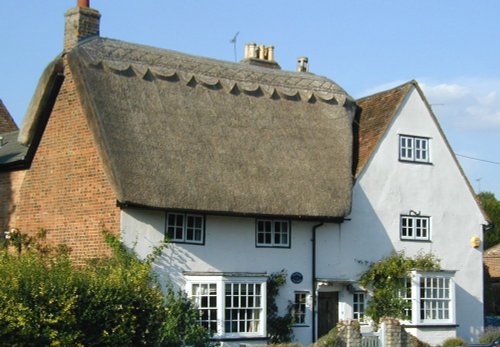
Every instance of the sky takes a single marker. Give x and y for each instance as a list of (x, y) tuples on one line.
[(450, 47)]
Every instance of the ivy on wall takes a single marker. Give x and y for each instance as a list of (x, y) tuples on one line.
[(279, 328), (385, 279)]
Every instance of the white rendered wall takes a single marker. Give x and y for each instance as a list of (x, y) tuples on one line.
[(388, 188), (229, 247)]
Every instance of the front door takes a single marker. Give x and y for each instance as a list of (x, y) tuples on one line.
[(328, 312)]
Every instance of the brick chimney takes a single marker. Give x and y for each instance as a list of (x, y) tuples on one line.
[(81, 22), (260, 55)]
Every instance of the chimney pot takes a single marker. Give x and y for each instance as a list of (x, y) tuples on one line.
[(262, 52), (270, 53), (302, 64), (83, 3)]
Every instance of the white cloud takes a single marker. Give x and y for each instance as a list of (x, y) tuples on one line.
[(472, 104)]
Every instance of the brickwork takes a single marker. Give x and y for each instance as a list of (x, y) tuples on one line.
[(7, 123), (492, 261), (66, 190), (392, 334), (81, 22), (10, 183), (349, 333)]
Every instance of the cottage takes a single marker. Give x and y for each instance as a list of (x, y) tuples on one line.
[(247, 170)]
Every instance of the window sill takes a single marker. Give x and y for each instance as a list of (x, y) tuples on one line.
[(238, 338), (415, 162), (431, 325), (415, 240)]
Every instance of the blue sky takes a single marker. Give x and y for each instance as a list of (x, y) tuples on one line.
[(450, 47)]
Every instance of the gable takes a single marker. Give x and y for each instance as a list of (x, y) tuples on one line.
[(182, 132), (7, 123), (433, 186)]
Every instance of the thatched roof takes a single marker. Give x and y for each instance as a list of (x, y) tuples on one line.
[(183, 132)]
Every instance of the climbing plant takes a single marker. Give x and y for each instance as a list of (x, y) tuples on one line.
[(279, 328), (386, 280)]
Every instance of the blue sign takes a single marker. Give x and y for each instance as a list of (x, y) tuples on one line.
[(296, 277)]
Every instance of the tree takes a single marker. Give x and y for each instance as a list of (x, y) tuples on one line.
[(492, 208)]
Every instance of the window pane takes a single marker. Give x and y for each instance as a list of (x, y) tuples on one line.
[(435, 301), (242, 314), (204, 296)]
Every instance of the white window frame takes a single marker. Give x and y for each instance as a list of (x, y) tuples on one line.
[(415, 227), (359, 306), (185, 229), (221, 283), (421, 303), (299, 309), (414, 149), (273, 233)]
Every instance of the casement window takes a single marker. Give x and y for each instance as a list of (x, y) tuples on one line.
[(272, 233), (432, 298), (230, 307), (299, 308), (415, 228), (185, 228), (358, 306), (412, 148)]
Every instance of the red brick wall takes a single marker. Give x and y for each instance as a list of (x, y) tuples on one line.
[(7, 124), (66, 191), (10, 182)]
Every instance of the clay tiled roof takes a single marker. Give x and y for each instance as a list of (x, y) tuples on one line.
[(7, 124), (374, 116), (492, 261)]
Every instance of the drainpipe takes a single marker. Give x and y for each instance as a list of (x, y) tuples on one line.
[(313, 310)]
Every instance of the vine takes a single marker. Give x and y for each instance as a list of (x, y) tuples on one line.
[(386, 279), (279, 328)]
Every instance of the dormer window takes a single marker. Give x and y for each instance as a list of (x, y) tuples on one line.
[(414, 149)]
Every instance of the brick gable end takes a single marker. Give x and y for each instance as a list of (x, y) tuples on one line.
[(66, 191)]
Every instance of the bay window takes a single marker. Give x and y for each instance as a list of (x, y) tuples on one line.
[(230, 305), (432, 297)]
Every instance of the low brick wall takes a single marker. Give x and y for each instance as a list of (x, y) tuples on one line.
[(392, 334)]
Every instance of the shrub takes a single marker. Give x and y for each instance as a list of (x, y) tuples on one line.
[(181, 327), (490, 335), (454, 341), (329, 340), (414, 342), (385, 278), (45, 300)]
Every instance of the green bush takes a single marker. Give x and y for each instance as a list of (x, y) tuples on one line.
[(490, 335), (45, 300), (331, 339), (181, 327), (454, 342), (386, 279)]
